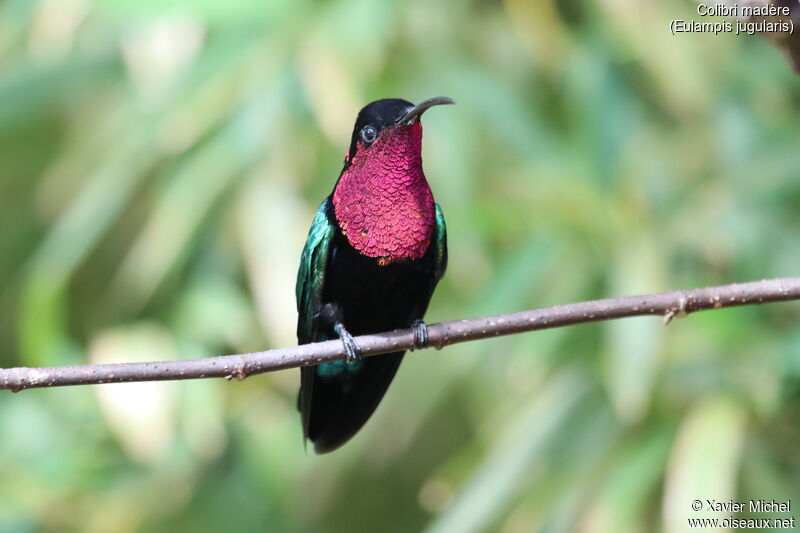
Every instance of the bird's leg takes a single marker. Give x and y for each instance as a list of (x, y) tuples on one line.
[(333, 314), (420, 334), (350, 345)]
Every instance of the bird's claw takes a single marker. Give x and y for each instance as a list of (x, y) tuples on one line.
[(350, 346), (420, 334)]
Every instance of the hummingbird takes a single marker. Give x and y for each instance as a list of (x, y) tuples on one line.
[(375, 252)]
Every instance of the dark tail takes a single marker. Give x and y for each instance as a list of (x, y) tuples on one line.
[(334, 408)]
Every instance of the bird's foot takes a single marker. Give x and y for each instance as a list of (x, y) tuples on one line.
[(420, 334), (350, 345)]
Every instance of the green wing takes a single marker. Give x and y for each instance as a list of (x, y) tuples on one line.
[(440, 241), (311, 276)]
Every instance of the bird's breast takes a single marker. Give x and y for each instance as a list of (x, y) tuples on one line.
[(389, 217)]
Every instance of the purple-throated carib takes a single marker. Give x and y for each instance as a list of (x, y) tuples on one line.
[(376, 250)]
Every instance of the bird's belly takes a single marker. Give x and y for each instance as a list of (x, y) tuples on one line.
[(374, 298)]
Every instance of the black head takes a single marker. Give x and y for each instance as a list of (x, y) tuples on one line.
[(381, 115)]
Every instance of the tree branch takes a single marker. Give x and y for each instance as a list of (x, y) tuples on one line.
[(789, 42), (666, 304)]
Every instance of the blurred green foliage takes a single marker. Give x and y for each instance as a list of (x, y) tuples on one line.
[(159, 165)]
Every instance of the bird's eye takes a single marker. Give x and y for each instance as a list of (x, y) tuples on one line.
[(368, 134)]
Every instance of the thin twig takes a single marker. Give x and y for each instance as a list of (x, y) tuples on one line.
[(788, 41), (666, 304)]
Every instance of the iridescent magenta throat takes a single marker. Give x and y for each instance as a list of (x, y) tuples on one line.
[(382, 202)]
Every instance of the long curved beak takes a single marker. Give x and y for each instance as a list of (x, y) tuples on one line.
[(416, 111)]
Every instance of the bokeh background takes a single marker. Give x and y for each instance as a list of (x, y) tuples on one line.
[(159, 167)]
